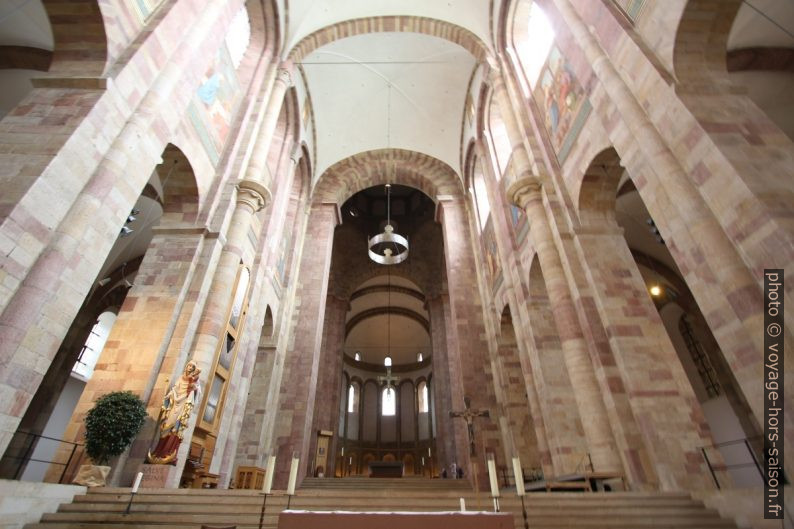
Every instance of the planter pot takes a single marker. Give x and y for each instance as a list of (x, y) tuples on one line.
[(92, 475)]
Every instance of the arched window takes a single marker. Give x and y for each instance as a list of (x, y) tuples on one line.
[(239, 36), (499, 143), (357, 356), (421, 397), (480, 195), (352, 398), (93, 346), (387, 361), (389, 401), (534, 47), (419, 357)]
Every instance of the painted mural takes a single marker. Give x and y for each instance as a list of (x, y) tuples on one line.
[(213, 107), (491, 255), (518, 221), (562, 99)]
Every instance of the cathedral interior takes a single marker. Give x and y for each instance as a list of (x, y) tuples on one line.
[(325, 239)]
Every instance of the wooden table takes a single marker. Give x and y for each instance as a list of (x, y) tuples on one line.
[(390, 520)]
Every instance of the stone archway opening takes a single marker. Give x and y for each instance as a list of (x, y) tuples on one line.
[(378, 326), (610, 203), (150, 233)]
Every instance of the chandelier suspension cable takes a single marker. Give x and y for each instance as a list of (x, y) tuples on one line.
[(388, 117), (388, 316), (388, 248)]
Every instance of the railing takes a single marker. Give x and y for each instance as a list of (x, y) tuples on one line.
[(32, 457), (737, 459)]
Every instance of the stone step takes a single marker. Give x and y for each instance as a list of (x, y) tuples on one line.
[(160, 518), (550, 500), (138, 525), (692, 509), (220, 519), (159, 508)]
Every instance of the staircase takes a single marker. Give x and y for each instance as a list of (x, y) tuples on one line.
[(191, 508)]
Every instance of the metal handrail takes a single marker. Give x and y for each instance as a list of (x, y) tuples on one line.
[(714, 468), (33, 443)]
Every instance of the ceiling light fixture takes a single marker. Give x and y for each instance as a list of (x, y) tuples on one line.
[(127, 282), (388, 248)]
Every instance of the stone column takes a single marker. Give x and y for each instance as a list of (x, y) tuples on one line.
[(252, 196), (515, 398), (660, 394), (442, 392), (299, 382), (556, 406), (330, 376), (526, 193), (257, 164), (250, 444), (470, 366)]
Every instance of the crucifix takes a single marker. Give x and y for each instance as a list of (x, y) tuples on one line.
[(389, 379), (469, 415)]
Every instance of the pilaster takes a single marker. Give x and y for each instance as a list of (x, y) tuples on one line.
[(299, 383)]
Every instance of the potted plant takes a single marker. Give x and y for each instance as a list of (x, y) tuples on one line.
[(110, 427)]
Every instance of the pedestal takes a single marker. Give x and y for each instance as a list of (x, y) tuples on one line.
[(156, 476)]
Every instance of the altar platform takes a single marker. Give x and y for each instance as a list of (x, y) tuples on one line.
[(386, 469)]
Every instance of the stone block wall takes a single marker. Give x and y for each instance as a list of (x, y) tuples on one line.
[(23, 503)]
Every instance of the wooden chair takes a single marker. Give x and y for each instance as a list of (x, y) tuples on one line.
[(195, 475)]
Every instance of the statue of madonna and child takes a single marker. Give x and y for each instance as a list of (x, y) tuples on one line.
[(175, 414)]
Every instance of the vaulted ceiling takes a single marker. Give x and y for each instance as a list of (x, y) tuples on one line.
[(388, 90)]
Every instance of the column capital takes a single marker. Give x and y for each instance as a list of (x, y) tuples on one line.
[(253, 194), (495, 78), (296, 153), (494, 68), (284, 73), (522, 190)]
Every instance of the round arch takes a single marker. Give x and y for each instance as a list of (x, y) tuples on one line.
[(597, 197), (397, 166), (80, 37), (180, 192), (701, 39), (395, 24)]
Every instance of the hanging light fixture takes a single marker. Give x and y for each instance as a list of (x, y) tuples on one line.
[(388, 248)]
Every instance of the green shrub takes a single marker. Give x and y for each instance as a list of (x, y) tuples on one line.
[(112, 424)]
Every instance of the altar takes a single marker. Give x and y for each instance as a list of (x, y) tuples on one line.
[(386, 469)]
